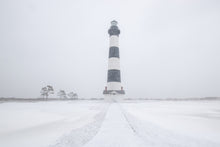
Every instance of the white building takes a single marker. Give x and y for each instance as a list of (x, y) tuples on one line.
[(114, 75)]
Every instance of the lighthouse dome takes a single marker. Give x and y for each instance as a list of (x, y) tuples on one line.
[(114, 29), (114, 23)]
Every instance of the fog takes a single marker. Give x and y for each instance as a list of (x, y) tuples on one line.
[(167, 48)]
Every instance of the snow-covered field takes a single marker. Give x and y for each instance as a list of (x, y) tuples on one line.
[(41, 124), (110, 124)]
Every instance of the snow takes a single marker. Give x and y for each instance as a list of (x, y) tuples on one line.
[(110, 124), (116, 131), (40, 124), (198, 119)]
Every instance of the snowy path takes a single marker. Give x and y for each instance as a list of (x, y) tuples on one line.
[(115, 131), (122, 129)]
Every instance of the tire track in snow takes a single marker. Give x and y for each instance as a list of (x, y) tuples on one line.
[(154, 135), (126, 118), (115, 131), (78, 137)]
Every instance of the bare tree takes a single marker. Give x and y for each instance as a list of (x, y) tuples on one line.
[(73, 95), (50, 89), (62, 94), (45, 91)]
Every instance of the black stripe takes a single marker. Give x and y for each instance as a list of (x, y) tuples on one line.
[(114, 75), (114, 52)]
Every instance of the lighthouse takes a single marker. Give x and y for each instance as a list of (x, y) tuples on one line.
[(114, 74)]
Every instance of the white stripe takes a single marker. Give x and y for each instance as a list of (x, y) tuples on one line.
[(113, 63), (114, 41), (113, 86)]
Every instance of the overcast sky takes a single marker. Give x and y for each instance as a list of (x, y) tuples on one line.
[(167, 48)]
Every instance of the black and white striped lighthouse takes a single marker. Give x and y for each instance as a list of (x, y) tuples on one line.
[(114, 75)]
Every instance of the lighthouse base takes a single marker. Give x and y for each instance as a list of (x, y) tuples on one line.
[(113, 92), (114, 98)]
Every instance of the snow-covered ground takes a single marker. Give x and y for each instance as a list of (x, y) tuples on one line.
[(41, 124), (176, 123), (110, 124)]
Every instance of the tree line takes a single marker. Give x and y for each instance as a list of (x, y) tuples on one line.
[(48, 90)]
